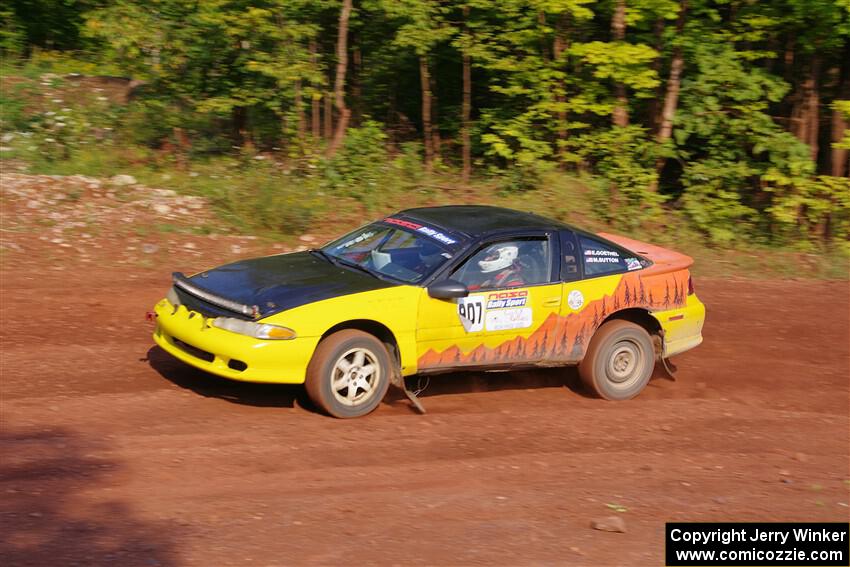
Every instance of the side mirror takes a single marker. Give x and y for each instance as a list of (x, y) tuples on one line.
[(447, 289)]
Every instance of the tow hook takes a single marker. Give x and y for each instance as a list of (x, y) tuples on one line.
[(150, 316)]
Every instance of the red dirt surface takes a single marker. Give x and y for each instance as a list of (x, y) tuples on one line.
[(115, 454)]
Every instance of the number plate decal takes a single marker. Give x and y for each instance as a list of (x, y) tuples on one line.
[(471, 313)]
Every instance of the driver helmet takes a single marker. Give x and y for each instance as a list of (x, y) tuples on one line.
[(498, 257)]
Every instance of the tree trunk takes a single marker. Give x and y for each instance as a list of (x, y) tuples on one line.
[(466, 103), (674, 82), (466, 112), (541, 23), (813, 110), (436, 141), (356, 89), (559, 45), (329, 117), (654, 109), (671, 97), (241, 130), (804, 117), (299, 109), (618, 30), (315, 110), (839, 165), (339, 82), (426, 111)]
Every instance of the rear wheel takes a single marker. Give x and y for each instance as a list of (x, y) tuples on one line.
[(349, 374), (619, 361)]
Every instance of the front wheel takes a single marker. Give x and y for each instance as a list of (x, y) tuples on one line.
[(349, 374), (619, 361)]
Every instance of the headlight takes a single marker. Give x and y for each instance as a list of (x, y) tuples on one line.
[(256, 330)]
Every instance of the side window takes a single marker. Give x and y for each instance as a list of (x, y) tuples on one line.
[(509, 263), (601, 259), (569, 257)]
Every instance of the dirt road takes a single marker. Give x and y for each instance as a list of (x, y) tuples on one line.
[(114, 454)]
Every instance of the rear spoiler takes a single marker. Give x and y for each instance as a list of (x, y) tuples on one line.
[(185, 284), (663, 259)]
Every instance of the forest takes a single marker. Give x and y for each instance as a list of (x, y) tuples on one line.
[(729, 114)]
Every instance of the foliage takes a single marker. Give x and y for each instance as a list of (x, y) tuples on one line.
[(248, 81), (360, 166), (12, 37), (625, 161), (727, 142)]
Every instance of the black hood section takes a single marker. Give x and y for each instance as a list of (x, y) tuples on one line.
[(276, 283)]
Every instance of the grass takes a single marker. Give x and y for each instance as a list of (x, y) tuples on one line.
[(259, 198)]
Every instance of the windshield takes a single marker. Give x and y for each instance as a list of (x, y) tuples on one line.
[(390, 251)]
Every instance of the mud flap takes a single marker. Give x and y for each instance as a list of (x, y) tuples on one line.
[(669, 367), (398, 382)]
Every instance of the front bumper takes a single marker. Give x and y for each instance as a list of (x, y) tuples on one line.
[(190, 337)]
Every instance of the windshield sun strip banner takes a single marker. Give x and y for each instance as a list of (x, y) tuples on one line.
[(426, 230)]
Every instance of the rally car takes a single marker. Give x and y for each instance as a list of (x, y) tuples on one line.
[(432, 290)]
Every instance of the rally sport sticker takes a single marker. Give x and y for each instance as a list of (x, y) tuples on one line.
[(496, 311)]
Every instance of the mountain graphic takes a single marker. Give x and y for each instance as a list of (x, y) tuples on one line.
[(565, 338)]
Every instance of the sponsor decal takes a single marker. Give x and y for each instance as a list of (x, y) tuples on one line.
[(575, 300), (496, 311), (601, 257), (436, 235), (505, 299), (633, 264), (361, 238), (404, 223), (427, 230), (504, 319)]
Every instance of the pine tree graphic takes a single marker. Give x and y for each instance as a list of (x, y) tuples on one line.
[(578, 344)]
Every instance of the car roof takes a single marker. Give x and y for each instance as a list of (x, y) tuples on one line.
[(479, 220)]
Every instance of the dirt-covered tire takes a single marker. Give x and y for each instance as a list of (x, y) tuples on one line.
[(619, 361), (349, 374)]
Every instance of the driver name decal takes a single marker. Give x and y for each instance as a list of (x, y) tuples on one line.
[(601, 257)]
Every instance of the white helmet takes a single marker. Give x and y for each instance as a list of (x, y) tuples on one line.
[(498, 258)]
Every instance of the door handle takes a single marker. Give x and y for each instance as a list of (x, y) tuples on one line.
[(552, 302)]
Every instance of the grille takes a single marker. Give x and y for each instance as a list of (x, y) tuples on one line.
[(194, 351)]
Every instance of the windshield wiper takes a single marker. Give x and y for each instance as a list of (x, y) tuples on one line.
[(322, 254), (349, 264)]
